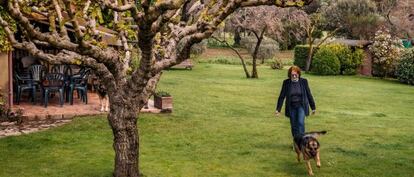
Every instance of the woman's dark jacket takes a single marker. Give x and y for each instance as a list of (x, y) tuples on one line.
[(307, 98)]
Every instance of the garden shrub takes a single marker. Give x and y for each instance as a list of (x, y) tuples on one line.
[(326, 62), (276, 64), (350, 66), (405, 69), (162, 94), (348, 59)]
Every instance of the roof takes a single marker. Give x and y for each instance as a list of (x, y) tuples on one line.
[(109, 36), (351, 42)]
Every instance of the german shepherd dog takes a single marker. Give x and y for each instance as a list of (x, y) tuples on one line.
[(103, 95), (308, 146)]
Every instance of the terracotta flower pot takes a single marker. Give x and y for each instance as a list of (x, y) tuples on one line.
[(163, 103)]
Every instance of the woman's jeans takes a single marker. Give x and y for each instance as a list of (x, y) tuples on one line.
[(297, 121)]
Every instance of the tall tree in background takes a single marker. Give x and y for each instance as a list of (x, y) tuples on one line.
[(315, 26), (258, 21), (403, 15), (356, 19), (294, 22), (399, 15), (164, 31), (314, 29), (272, 22)]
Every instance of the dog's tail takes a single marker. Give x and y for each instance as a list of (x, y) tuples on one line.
[(316, 134)]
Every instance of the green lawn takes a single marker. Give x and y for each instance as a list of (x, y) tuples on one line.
[(223, 125)]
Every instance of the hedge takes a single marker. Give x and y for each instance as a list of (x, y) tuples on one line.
[(301, 55), (349, 60)]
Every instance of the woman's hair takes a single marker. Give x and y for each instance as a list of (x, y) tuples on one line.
[(293, 68)]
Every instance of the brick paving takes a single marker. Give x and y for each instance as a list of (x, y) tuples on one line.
[(37, 117), (54, 111), (14, 129)]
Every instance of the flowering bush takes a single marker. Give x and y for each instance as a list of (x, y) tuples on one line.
[(405, 70), (386, 52)]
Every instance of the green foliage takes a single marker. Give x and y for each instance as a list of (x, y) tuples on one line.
[(162, 94), (326, 62), (348, 59), (405, 69), (351, 65), (276, 64), (212, 43), (356, 19), (301, 53), (4, 41), (135, 59), (224, 60)]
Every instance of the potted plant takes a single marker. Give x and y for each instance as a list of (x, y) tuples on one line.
[(163, 101)]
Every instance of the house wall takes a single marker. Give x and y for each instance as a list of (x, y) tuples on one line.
[(366, 67), (4, 74)]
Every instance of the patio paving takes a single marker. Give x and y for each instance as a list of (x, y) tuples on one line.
[(54, 111)]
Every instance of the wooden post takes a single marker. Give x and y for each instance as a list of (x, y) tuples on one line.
[(10, 65)]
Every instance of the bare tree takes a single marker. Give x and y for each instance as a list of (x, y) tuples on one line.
[(270, 22), (238, 54), (162, 39)]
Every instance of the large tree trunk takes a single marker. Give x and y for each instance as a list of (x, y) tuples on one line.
[(310, 55), (256, 51), (254, 69), (123, 121), (312, 47)]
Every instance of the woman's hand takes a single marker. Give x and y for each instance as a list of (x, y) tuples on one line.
[(277, 114), (313, 112)]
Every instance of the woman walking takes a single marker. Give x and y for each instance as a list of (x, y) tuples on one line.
[(298, 99)]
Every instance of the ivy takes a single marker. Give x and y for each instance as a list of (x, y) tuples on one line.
[(5, 44)]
